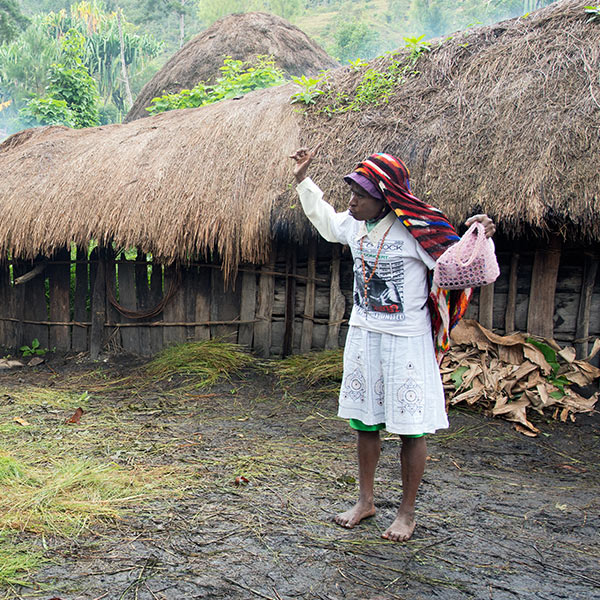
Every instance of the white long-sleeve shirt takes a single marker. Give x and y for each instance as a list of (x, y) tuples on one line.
[(396, 293)]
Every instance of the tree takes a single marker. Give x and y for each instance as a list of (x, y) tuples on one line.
[(104, 52), (181, 9), (354, 40), (12, 20), (72, 94)]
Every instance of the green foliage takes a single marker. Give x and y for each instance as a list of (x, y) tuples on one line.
[(594, 12), (101, 52), (354, 40), (375, 86), (417, 46), (47, 111), (34, 349), (548, 352), (310, 89), (457, 376), (72, 94), (29, 61), (238, 78), (559, 381), (12, 20)]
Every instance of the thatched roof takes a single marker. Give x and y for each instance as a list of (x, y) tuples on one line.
[(504, 119), (243, 37)]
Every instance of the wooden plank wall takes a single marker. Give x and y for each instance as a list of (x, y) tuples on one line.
[(299, 301)]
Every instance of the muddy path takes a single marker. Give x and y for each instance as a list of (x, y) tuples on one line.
[(500, 516)]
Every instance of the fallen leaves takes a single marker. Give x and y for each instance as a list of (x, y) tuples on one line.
[(511, 375), (76, 417)]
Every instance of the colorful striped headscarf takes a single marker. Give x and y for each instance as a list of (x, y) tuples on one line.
[(430, 228)]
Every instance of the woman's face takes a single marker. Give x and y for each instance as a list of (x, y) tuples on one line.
[(364, 207)]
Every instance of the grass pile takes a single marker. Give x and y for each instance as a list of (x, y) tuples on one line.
[(208, 362), (320, 371)]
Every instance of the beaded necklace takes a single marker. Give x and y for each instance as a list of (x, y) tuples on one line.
[(362, 260)]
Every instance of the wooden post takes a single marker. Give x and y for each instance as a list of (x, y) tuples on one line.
[(309, 299), (174, 311), (113, 337), (264, 311), (540, 312), (98, 307), (590, 270), (60, 310), (17, 305), (203, 279), (156, 294), (511, 298), (224, 306), (143, 300), (337, 302), (247, 309), (127, 299), (290, 301), (486, 306), (6, 293), (79, 341), (35, 308)]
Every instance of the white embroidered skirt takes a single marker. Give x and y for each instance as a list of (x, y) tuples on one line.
[(394, 380)]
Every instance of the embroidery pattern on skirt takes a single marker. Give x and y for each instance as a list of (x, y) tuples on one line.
[(379, 391), (410, 403), (355, 387)]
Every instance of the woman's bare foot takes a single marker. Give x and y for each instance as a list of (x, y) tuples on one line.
[(402, 528), (352, 517)]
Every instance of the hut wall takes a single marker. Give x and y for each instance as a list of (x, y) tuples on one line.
[(276, 309)]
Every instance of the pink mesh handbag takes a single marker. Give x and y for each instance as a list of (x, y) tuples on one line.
[(471, 262)]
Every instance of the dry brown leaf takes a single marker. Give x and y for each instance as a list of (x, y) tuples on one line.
[(577, 377), (594, 350), (587, 368), (516, 411), (525, 431), (568, 353), (500, 401), (577, 403), (470, 396), (76, 417), (536, 356)]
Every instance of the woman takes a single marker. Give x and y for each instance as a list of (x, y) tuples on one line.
[(391, 377)]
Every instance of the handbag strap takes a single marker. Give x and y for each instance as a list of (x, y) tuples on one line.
[(478, 231)]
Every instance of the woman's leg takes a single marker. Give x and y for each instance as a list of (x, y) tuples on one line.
[(413, 457), (369, 449)]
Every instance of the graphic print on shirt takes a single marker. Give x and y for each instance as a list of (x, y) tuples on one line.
[(385, 289)]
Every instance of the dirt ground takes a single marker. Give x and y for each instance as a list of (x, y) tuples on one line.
[(500, 516)]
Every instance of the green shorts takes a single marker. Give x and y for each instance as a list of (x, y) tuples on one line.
[(360, 426)]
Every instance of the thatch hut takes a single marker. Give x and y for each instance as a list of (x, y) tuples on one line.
[(242, 37), (503, 119)]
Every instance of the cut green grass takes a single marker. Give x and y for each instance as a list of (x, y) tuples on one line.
[(17, 561), (210, 361), (66, 495), (312, 369)]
